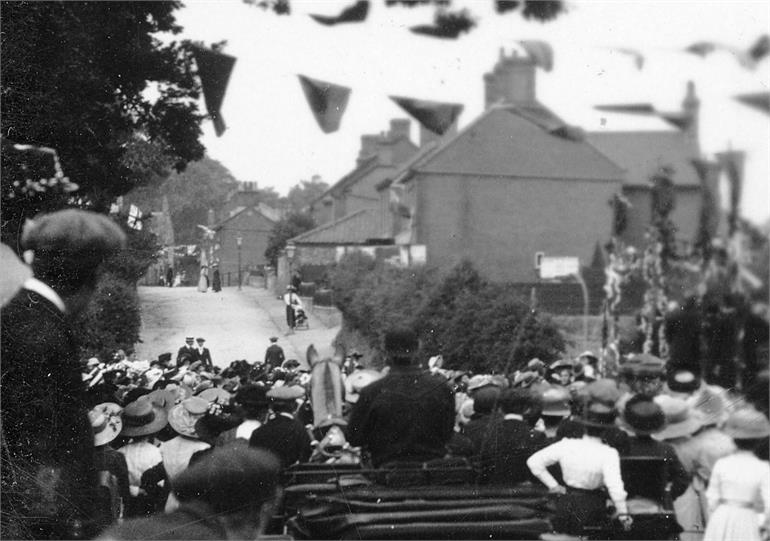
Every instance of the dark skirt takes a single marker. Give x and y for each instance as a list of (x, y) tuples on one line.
[(579, 508)]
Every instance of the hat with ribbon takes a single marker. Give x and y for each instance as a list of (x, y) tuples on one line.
[(681, 420), (143, 417), (747, 424), (642, 416), (184, 415), (106, 422)]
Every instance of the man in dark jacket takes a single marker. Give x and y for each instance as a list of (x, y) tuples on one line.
[(187, 351), (505, 450), (409, 414), (48, 473), (284, 435), (274, 355)]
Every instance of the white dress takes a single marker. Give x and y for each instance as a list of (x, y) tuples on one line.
[(739, 490)]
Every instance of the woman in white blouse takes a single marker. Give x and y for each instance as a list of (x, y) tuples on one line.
[(739, 488)]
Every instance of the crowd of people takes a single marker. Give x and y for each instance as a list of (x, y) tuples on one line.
[(179, 448)]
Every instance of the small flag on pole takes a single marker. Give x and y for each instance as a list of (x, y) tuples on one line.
[(758, 100)]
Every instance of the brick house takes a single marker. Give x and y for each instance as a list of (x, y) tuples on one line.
[(243, 215), (379, 157)]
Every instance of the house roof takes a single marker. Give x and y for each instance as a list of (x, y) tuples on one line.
[(354, 228), (642, 153), (519, 141), (240, 210), (366, 165)]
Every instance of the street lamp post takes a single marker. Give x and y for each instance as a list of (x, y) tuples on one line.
[(239, 241), (290, 251)]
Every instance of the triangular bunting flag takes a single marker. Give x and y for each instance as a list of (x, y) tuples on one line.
[(436, 116), (680, 120), (540, 51), (760, 49), (701, 48), (759, 100), (633, 53), (354, 14), (327, 101), (628, 108), (447, 25), (214, 70)]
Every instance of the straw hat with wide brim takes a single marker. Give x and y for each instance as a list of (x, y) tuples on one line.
[(747, 424), (681, 420), (143, 417), (106, 422), (184, 415), (215, 394)]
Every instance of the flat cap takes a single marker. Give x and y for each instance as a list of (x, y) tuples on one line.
[(292, 392), (82, 238)]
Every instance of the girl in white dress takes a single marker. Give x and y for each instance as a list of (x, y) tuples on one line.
[(739, 488)]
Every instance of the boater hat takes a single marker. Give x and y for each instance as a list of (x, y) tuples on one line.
[(142, 417), (184, 415), (747, 424), (680, 418)]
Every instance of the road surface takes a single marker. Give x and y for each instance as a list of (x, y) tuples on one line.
[(236, 324)]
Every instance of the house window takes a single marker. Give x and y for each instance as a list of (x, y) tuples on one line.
[(539, 259)]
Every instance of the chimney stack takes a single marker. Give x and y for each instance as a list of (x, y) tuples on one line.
[(399, 127), (512, 80), (691, 109)]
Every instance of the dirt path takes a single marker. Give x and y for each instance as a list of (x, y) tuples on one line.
[(236, 324)]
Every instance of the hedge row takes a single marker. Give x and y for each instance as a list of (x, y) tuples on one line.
[(474, 324)]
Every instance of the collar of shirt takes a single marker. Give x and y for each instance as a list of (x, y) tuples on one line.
[(512, 417), (44, 290), (288, 415)]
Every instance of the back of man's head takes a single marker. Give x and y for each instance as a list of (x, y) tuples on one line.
[(401, 346), (516, 400), (69, 245), (485, 399), (233, 477)]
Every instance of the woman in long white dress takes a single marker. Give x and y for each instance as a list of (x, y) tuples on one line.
[(739, 488)]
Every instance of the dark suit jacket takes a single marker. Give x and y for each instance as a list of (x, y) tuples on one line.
[(274, 355), (406, 416), (190, 351), (204, 357), (645, 446), (505, 450), (285, 437), (45, 426), (191, 521)]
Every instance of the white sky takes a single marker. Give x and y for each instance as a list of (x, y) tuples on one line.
[(272, 137)]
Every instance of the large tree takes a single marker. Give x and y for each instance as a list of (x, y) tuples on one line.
[(302, 194), (93, 81)]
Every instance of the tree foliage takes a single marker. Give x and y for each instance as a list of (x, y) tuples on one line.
[(75, 78), (476, 325), (288, 227), (203, 185), (306, 191)]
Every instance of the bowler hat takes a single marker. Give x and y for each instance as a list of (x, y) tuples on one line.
[(681, 420), (643, 416), (143, 417), (401, 342), (184, 415), (747, 424)]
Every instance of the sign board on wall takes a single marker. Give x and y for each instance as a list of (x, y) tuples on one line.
[(559, 267)]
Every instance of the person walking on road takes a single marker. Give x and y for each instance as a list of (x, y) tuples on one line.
[(292, 302), (274, 355)]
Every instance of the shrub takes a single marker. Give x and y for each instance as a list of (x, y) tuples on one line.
[(323, 297), (475, 325), (111, 321)]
